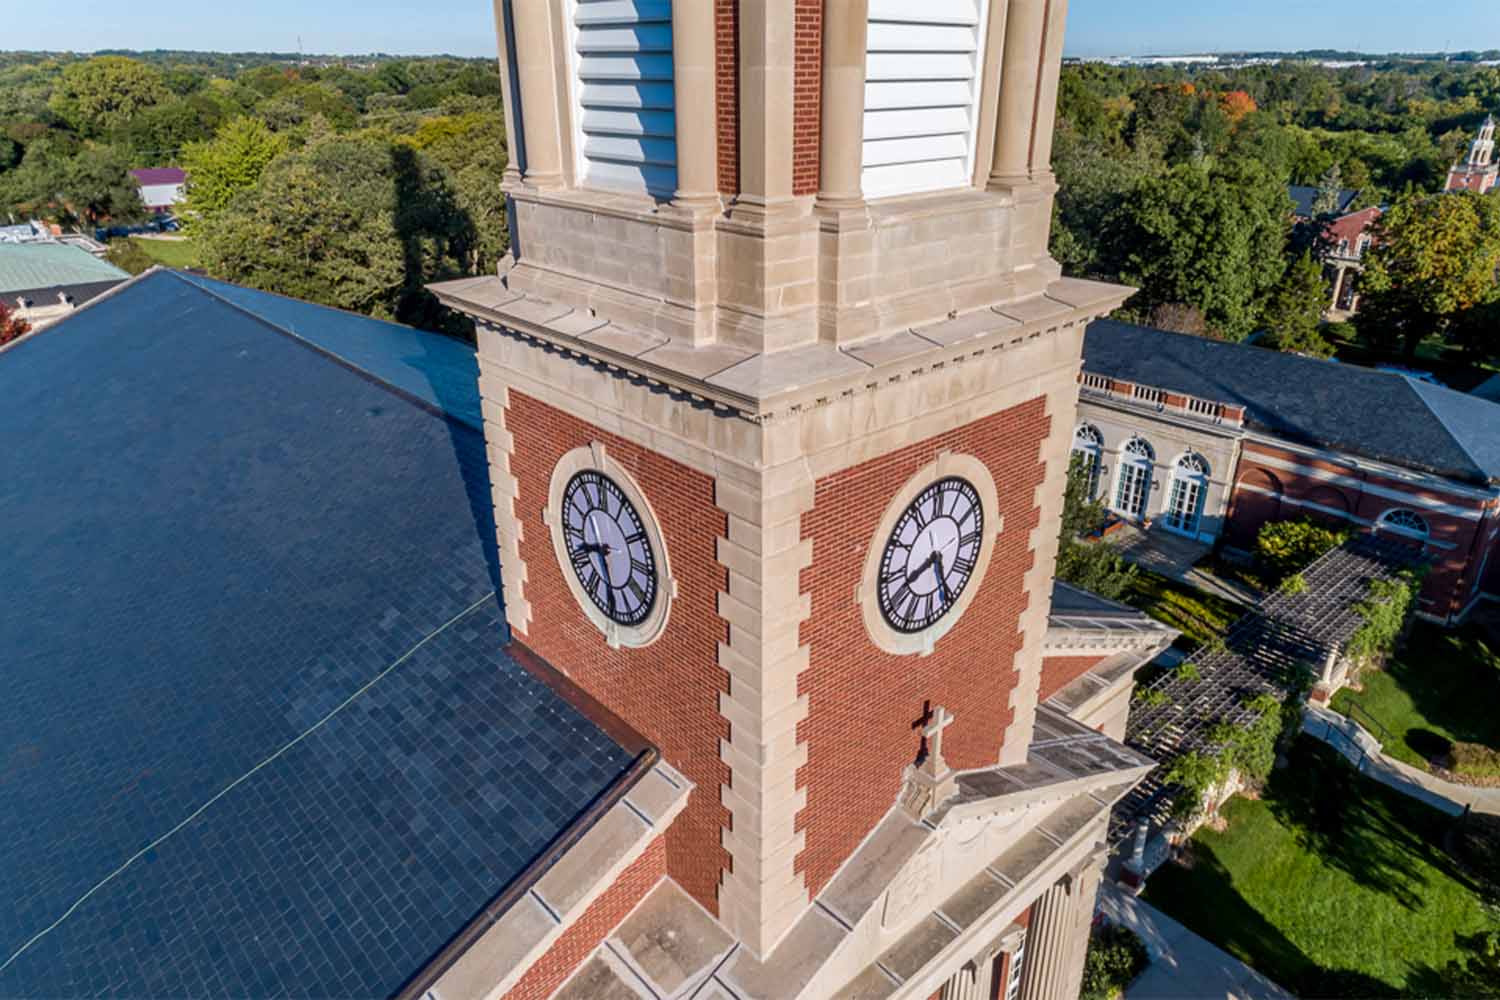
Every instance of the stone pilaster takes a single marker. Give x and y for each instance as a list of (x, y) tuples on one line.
[(694, 70), (542, 113), (764, 556), (1020, 74), (847, 241), (514, 149), (1046, 98), (1048, 946)]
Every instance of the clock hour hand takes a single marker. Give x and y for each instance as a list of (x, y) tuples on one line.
[(916, 574), (942, 576)]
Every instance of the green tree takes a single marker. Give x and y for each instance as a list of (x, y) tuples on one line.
[(96, 185), (352, 222), (1294, 316), (1434, 257), (231, 162), (1092, 566), (1212, 238), (1287, 547), (104, 93)]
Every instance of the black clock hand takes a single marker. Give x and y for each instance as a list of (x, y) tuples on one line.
[(942, 576), (912, 577)]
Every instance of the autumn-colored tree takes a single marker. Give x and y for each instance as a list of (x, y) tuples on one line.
[(11, 325), (1236, 104), (1435, 257)]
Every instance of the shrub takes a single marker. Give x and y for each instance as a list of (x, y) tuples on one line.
[(1384, 612), (1197, 773), (1287, 547), (1189, 671), (1475, 760), (1115, 958), (1150, 697), (1294, 584)]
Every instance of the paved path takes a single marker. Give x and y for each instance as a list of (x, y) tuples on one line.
[(1363, 751), (1183, 965), (1173, 556)]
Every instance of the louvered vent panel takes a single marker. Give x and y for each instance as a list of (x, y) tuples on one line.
[(624, 89), (921, 95)]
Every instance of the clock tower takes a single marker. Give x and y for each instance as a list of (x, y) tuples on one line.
[(779, 387)]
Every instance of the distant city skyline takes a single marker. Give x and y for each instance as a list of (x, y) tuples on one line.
[(465, 27)]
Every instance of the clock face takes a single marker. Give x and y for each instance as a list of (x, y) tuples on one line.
[(931, 555), (608, 548)]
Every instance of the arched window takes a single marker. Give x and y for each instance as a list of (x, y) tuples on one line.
[(1133, 484), (1406, 523), (1088, 448), (1189, 490)]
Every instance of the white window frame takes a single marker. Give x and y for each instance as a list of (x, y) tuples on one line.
[(1088, 443), (1388, 522), (1134, 461), (1190, 479)]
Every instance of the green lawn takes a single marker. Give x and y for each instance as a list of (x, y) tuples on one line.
[(1446, 362), (1201, 617), (172, 253), (1331, 884), (1444, 686)]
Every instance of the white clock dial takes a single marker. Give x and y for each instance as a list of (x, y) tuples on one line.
[(931, 555)]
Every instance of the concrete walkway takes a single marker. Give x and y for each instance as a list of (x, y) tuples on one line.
[(1174, 557), (1364, 751), (1183, 965)]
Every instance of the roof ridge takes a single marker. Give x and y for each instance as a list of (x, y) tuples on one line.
[(1421, 389), (338, 359), (35, 332)]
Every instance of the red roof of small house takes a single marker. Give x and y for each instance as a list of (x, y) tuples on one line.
[(150, 176)]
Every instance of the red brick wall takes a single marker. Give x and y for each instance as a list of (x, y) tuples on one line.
[(668, 691), (1445, 591), (578, 942), (862, 701), (727, 28), (807, 97), (1060, 671)]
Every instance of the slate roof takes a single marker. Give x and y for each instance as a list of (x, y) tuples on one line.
[(260, 736), (1377, 415), (1306, 197), (27, 266)]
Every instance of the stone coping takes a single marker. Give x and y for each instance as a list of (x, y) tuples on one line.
[(1082, 694), (669, 947), (523, 934), (763, 384)]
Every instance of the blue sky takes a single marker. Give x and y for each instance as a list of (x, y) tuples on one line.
[(464, 27)]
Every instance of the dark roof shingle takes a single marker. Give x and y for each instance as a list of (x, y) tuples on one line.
[(259, 724)]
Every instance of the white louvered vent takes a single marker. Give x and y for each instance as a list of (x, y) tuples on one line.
[(623, 95), (922, 94)]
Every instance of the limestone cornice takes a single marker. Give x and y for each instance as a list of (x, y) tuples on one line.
[(766, 387)]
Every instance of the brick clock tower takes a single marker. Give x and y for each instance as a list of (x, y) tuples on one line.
[(779, 389)]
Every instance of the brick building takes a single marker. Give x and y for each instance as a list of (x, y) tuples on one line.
[(1479, 172), (779, 388), (1211, 440), (1346, 236)]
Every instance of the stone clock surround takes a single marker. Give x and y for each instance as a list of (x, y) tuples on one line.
[(597, 457), (765, 471), (947, 464)]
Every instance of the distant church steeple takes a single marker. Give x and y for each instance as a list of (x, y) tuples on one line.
[(1479, 172)]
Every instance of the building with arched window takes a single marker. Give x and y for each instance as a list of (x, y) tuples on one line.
[(1210, 441), (1088, 449)]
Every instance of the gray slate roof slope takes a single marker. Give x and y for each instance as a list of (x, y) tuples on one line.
[(260, 736), (1373, 414)]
